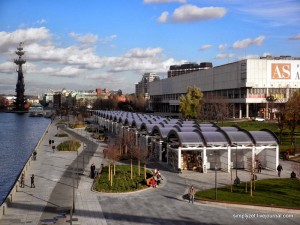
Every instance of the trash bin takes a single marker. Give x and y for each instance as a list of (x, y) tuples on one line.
[(137, 185)]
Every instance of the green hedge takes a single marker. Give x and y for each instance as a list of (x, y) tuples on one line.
[(69, 146), (61, 135)]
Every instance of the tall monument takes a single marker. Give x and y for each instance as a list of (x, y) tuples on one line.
[(20, 86)]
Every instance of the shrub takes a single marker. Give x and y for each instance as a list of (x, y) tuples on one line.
[(100, 137), (69, 146), (77, 125), (61, 135)]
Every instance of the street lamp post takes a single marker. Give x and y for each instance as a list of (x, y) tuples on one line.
[(237, 179), (77, 168), (73, 196), (216, 175), (231, 178)]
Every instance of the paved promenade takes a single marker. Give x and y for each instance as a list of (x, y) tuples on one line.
[(55, 184)]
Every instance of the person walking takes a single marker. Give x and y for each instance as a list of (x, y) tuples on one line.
[(93, 167), (32, 181), (192, 193), (259, 167), (22, 184), (34, 155), (279, 169)]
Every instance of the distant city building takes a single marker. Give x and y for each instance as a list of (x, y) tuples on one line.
[(177, 70), (57, 100), (246, 85), (85, 98), (142, 88), (48, 98)]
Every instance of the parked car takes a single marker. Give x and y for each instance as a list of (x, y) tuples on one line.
[(259, 119)]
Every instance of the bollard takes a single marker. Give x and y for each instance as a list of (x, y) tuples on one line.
[(137, 185)]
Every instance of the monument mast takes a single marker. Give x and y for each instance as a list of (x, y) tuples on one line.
[(20, 86)]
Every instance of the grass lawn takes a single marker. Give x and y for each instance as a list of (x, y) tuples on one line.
[(273, 192), (121, 181)]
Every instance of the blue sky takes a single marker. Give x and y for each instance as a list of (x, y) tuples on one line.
[(90, 44)]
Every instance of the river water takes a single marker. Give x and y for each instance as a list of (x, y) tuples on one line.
[(19, 135)]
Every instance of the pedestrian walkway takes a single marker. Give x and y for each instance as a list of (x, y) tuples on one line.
[(52, 198), (60, 174)]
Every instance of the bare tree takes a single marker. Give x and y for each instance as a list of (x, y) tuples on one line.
[(112, 155), (293, 115), (215, 108)]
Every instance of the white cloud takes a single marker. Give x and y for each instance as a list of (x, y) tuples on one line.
[(7, 67), (143, 53), (248, 57), (267, 54), (164, 1), (110, 38), (192, 13), (247, 42), (205, 47), (222, 46), (9, 40), (84, 40), (47, 59), (42, 21), (295, 37), (163, 17), (224, 55)]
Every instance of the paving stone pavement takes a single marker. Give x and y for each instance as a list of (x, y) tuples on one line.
[(56, 176)]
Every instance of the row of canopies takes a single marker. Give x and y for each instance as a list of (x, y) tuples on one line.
[(226, 147), (189, 133)]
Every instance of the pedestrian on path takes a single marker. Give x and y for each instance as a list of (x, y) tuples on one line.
[(279, 169), (50, 142), (93, 167), (22, 184), (32, 181), (192, 193), (34, 155), (259, 167)]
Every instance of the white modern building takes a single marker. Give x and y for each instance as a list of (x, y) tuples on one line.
[(245, 84), (142, 88)]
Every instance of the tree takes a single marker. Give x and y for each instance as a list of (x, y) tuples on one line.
[(292, 114), (141, 155), (215, 108), (112, 153), (281, 121), (191, 103)]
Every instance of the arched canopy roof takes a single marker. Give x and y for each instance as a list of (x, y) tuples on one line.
[(137, 123), (215, 138), (210, 134), (229, 128), (147, 127), (206, 125), (239, 138), (185, 139), (264, 137), (161, 131), (189, 129), (208, 129), (189, 122)]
